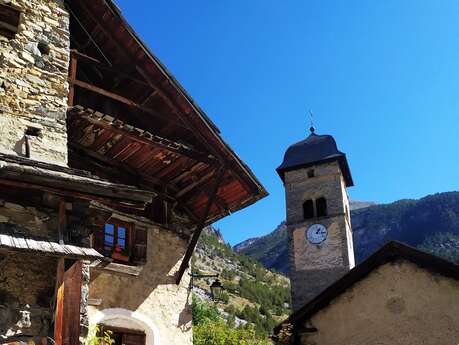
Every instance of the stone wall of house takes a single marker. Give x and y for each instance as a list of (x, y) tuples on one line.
[(313, 267), (33, 81), (28, 279), (27, 285), (152, 301), (397, 304)]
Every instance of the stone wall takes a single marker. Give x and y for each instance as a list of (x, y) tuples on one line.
[(152, 301), (313, 267), (27, 285), (397, 304), (33, 81)]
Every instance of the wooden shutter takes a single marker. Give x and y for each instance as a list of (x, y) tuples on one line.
[(98, 239), (139, 247), (67, 323)]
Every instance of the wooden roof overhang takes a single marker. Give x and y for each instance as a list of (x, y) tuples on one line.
[(26, 174), (136, 123)]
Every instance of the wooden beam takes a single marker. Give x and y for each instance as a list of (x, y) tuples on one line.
[(140, 178), (59, 302), (200, 226), (144, 137), (122, 51), (86, 59), (62, 220), (123, 100), (196, 184), (72, 76), (70, 194)]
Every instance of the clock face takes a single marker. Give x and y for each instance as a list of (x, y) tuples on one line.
[(316, 233)]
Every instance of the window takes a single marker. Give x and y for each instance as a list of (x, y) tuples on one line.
[(308, 209), (121, 241), (321, 206), (9, 21), (116, 241), (311, 173)]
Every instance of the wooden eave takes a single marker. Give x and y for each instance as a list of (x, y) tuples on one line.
[(25, 173), (151, 130)]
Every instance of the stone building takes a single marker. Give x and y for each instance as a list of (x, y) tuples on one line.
[(108, 172), (397, 296), (315, 175)]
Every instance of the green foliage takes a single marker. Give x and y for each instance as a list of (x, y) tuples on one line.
[(203, 312), (248, 279), (270, 297), (211, 329), (94, 337), (263, 324), (221, 333)]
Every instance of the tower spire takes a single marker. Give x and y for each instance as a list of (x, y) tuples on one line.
[(311, 119)]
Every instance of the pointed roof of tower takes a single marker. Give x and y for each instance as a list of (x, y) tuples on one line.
[(315, 149)]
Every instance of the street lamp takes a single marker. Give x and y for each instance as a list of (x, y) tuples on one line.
[(216, 288)]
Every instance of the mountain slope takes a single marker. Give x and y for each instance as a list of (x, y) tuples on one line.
[(252, 294), (430, 223)]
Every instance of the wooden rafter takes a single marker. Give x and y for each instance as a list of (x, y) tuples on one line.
[(139, 135), (212, 194), (143, 181)]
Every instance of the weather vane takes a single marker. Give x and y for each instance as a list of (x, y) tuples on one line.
[(311, 119)]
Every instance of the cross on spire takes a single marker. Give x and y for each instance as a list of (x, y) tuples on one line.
[(311, 118)]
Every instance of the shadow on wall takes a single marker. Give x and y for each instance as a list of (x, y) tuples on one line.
[(26, 292), (155, 288)]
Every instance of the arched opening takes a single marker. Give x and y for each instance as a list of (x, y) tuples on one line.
[(321, 206), (120, 318), (308, 209)]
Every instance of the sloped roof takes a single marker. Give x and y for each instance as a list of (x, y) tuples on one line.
[(152, 100), (314, 149), (12, 240), (388, 253)]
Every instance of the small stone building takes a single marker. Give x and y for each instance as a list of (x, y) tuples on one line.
[(398, 296), (108, 173)]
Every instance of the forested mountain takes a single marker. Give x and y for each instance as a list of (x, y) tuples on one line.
[(430, 223), (255, 299)]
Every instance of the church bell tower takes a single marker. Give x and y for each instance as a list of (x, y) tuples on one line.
[(315, 175)]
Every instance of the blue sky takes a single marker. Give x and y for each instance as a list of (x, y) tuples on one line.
[(381, 76)]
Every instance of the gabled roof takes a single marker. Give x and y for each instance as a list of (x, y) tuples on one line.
[(315, 149), (165, 142), (390, 252)]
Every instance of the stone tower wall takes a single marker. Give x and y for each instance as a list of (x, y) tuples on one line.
[(33, 81), (314, 267)]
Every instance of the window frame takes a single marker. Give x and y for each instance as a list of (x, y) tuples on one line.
[(123, 255)]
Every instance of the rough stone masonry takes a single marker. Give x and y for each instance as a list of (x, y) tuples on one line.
[(33, 81)]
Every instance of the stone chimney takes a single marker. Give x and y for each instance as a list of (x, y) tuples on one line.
[(34, 61)]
